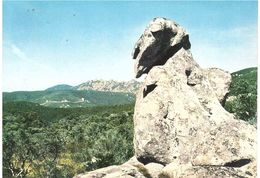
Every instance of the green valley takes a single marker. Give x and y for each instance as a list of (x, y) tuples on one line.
[(70, 98)]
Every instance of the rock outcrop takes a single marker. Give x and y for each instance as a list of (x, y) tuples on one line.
[(179, 118), (180, 126), (110, 85), (130, 169), (101, 85)]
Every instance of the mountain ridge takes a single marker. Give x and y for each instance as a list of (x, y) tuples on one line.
[(60, 87), (130, 86)]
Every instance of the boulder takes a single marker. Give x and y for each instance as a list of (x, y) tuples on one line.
[(174, 171), (125, 170), (130, 169), (154, 169), (178, 115)]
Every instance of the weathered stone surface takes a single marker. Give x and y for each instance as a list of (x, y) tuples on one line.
[(130, 169), (220, 81), (110, 86), (125, 170), (182, 120), (179, 118), (154, 169), (183, 171), (161, 39)]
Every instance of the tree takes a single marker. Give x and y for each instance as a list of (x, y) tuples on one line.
[(243, 103), (30, 146), (19, 150), (49, 146)]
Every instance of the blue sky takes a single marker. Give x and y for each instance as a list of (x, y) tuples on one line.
[(49, 43)]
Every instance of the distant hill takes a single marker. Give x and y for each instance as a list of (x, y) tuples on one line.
[(248, 74), (101, 85), (246, 71), (90, 93), (60, 87), (242, 98), (70, 98)]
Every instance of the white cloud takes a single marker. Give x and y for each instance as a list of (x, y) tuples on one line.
[(28, 60), (21, 72), (18, 52)]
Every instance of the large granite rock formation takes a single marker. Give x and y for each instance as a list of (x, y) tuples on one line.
[(180, 126), (178, 116)]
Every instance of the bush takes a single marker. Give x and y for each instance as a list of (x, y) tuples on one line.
[(243, 103)]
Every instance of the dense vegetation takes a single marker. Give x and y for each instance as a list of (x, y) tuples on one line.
[(242, 99), (70, 98), (71, 142)]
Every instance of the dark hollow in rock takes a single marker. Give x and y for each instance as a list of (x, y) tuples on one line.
[(223, 102), (149, 88), (186, 42), (165, 116), (237, 163), (168, 54), (249, 173), (164, 35), (187, 72), (136, 52), (191, 84), (149, 159)]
